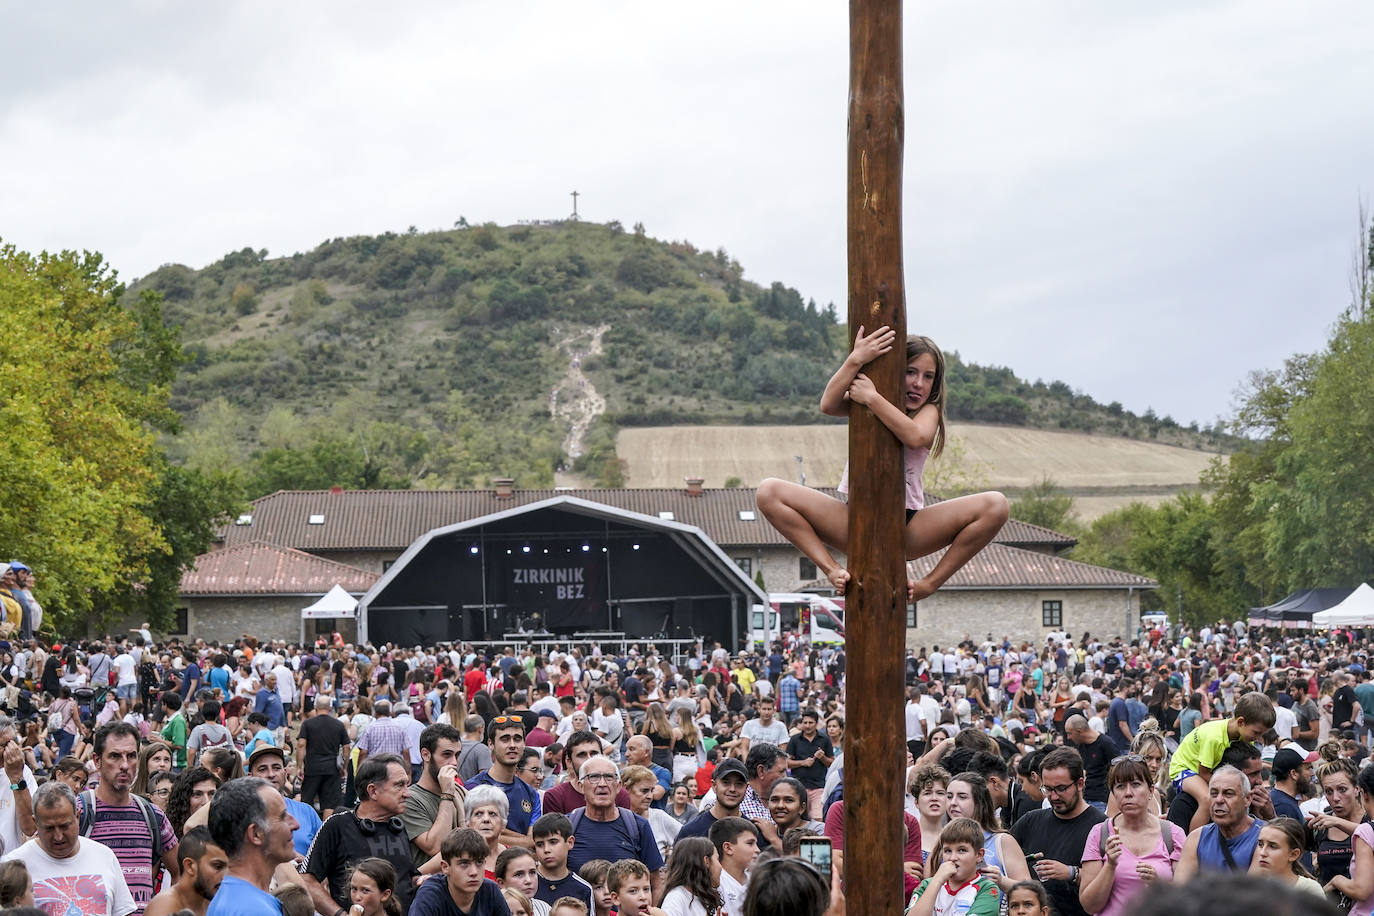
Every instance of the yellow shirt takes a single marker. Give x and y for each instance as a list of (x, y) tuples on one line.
[(1201, 749), (745, 678)]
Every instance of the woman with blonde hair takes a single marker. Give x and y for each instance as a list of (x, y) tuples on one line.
[(659, 731), (686, 741)]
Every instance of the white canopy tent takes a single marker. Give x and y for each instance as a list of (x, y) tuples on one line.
[(1355, 611), (336, 604)]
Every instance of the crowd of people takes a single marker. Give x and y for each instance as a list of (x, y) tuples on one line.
[(1074, 777)]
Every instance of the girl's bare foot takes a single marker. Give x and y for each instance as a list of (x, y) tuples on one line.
[(916, 589), (839, 578)]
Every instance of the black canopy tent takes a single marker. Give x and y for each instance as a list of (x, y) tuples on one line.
[(1295, 611), (560, 566)]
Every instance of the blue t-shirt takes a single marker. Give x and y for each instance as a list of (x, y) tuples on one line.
[(570, 886), (236, 897), (309, 822), (525, 806), (188, 677), (613, 841), (433, 899), (218, 677)]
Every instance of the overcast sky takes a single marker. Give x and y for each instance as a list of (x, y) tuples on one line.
[(1145, 200)]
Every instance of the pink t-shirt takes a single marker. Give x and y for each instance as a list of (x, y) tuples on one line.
[(1365, 834), (1128, 884), (914, 460)]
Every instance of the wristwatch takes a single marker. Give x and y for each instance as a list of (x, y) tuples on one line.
[(1073, 873), (17, 786)]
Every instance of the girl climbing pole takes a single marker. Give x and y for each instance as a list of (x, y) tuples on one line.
[(811, 520)]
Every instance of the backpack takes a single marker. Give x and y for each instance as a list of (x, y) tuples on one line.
[(629, 817), (145, 808), (1104, 830)]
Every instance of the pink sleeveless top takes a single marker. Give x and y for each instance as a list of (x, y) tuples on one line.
[(915, 463)]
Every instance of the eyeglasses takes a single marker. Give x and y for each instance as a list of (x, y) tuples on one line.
[(166, 791), (1136, 757), (1059, 790), (599, 777)]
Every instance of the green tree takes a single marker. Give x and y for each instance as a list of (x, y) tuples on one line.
[(1047, 505), (79, 460)]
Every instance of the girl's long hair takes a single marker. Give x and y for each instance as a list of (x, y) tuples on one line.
[(688, 726), (657, 722), (383, 874), (1296, 834), (983, 806), (918, 345), (687, 868)]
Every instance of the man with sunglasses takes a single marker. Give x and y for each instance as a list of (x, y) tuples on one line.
[(506, 737), (1057, 835)]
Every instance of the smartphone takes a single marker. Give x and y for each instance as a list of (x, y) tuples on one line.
[(816, 850)]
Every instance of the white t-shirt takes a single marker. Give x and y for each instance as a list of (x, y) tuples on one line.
[(680, 902), (732, 892), (1285, 722), (758, 733), (90, 882), (286, 683), (10, 838), (915, 718), (124, 665)]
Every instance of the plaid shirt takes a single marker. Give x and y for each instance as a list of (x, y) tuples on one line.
[(753, 807), (386, 735), (789, 693)]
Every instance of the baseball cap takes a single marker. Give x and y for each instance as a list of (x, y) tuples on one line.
[(1287, 759), (730, 766)]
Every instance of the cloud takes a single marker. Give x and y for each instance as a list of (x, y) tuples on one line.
[(1146, 202)]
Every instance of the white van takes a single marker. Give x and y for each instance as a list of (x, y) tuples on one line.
[(813, 617)]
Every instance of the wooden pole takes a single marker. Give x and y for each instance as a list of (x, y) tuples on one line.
[(876, 595)]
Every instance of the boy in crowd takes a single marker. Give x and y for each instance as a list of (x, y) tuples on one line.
[(594, 873), (957, 887), (1190, 769), (568, 906), (463, 888), (737, 844), (553, 840), (632, 890)]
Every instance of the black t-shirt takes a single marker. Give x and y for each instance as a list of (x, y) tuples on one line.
[(323, 735), (1062, 841), (1342, 706), (798, 748), (343, 841), (1097, 758)]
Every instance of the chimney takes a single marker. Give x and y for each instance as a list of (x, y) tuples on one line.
[(336, 490), (505, 487), (694, 485)]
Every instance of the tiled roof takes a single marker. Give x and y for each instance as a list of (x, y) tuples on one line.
[(393, 519), (1000, 566), (259, 568)]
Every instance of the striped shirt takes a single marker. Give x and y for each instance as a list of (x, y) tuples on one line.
[(125, 831)]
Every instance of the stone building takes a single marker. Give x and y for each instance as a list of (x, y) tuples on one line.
[(1016, 586)]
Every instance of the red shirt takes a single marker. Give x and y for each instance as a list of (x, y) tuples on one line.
[(704, 773), (473, 681)]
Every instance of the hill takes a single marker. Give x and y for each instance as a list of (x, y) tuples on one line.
[(1102, 473), (447, 358)]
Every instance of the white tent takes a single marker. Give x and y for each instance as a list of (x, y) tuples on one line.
[(1355, 611), (337, 603)]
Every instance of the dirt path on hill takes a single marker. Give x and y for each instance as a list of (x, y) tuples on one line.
[(574, 402)]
